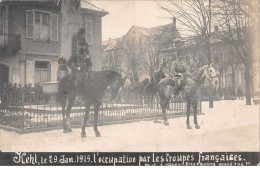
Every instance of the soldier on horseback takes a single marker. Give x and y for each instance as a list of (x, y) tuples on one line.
[(80, 61), (178, 72)]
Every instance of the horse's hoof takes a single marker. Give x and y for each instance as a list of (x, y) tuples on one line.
[(166, 123), (83, 135), (197, 126), (98, 134), (156, 121), (67, 130), (189, 127)]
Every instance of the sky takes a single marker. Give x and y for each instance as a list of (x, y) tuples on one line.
[(125, 13)]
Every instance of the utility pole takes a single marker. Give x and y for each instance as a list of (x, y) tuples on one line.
[(211, 104)]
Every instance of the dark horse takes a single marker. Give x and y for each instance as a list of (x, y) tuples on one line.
[(92, 89), (151, 87), (189, 91)]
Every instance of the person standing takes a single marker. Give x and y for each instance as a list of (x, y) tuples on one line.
[(239, 93)]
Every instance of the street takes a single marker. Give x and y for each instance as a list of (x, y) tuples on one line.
[(229, 126)]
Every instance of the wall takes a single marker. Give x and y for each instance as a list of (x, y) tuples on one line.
[(95, 50), (72, 20), (17, 25), (21, 65)]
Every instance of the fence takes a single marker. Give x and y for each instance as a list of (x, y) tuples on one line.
[(40, 113)]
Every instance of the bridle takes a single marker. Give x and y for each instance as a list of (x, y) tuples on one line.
[(208, 78)]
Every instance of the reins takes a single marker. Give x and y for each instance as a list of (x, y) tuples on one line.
[(203, 82)]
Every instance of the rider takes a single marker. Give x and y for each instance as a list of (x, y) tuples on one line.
[(80, 62), (159, 73), (178, 72)]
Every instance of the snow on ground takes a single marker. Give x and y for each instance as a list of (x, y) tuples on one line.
[(229, 126)]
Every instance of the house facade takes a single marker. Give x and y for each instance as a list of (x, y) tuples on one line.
[(167, 41), (32, 38), (142, 46)]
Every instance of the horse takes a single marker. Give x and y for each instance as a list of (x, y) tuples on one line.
[(189, 91), (150, 87), (92, 88)]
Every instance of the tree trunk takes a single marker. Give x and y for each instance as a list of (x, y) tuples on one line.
[(233, 78), (248, 86)]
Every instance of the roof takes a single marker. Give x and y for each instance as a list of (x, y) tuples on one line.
[(168, 31), (54, 1), (86, 6), (89, 7)]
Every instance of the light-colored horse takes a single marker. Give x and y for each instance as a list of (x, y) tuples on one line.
[(189, 91)]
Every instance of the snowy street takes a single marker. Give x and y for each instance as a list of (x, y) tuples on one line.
[(229, 126)]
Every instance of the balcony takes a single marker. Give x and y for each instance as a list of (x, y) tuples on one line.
[(10, 44)]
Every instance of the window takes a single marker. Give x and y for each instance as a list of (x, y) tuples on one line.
[(41, 72), (41, 25), (29, 24), (1, 21), (89, 31), (41, 65), (54, 27)]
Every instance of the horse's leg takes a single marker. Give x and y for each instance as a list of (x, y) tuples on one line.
[(70, 104), (63, 105), (188, 113), (159, 101), (96, 109), (164, 103), (195, 115), (87, 107)]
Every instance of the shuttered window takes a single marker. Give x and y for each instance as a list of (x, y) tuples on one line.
[(41, 25), (89, 31), (1, 21), (54, 27), (29, 24)]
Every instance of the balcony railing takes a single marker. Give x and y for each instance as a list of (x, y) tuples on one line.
[(10, 43)]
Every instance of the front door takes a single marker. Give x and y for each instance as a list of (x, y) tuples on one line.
[(4, 72)]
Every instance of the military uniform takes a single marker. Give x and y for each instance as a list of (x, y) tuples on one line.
[(80, 61), (178, 72)]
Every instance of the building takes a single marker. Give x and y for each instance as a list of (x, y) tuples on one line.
[(157, 40), (34, 34)]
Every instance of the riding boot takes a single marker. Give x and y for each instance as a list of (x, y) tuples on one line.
[(176, 88)]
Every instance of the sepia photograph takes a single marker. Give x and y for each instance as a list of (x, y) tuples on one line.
[(130, 82)]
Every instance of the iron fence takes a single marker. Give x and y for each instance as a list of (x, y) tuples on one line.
[(39, 113)]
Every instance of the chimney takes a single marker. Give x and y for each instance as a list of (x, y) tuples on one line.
[(215, 28), (174, 23)]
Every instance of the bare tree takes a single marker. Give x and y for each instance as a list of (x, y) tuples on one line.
[(224, 56), (132, 62), (112, 61), (149, 53), (235, 22), (195, 17)]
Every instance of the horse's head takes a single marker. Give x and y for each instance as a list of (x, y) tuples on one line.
[(210, 75), (116, 87)]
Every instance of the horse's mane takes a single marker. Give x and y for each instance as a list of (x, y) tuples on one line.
[(111, 73), (197, 70)]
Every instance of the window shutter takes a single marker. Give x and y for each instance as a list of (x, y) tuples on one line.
[(54, 27), (89, 31), (29, 24)]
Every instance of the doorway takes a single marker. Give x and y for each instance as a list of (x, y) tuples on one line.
[(4, 74)]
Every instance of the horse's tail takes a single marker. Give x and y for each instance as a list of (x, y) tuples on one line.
[(61, 90)]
